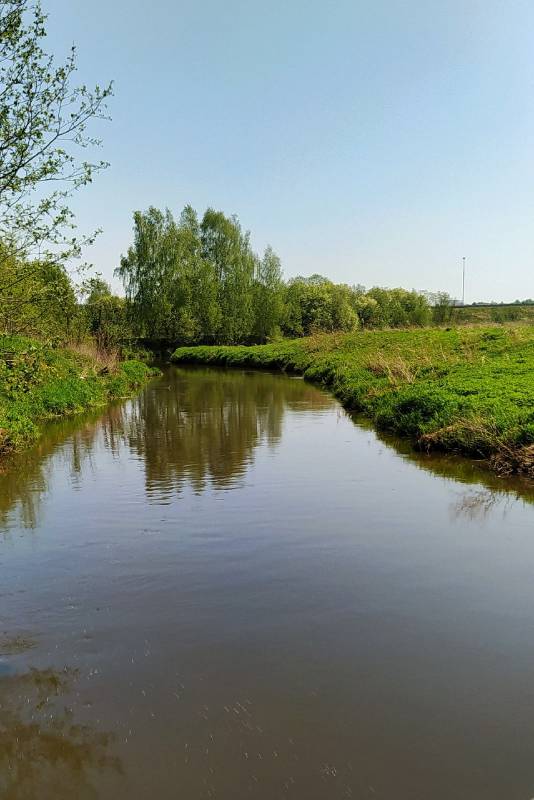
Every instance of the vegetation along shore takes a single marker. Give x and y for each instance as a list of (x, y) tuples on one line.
[(40, 382), (467, 390)]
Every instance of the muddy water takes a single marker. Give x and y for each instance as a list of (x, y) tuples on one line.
[(225, 588)]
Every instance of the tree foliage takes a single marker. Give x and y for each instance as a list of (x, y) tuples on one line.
[(41, 300), (104, 314), (316, 304), (200, 282), (191, 281), (44, 122), (268, 297)]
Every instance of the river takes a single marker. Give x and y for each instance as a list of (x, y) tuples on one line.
[(227, 588)]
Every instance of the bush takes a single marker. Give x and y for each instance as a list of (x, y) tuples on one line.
[(505, 314)]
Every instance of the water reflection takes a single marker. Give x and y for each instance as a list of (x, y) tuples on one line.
[(482, 503), (491, 493), (44, 753), (339, 624), (192, 427), (25, 478), (200, 428), (456, 468)]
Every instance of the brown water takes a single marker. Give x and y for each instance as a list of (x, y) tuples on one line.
[(225, 588)]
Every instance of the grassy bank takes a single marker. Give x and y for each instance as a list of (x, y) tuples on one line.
[(464, 390), (39, 382), (489, 315)]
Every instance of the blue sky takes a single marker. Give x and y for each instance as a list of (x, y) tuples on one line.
[(375, 142)]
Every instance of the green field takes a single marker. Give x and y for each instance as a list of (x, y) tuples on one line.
[(489, 315), (38, 382), (468, 390)]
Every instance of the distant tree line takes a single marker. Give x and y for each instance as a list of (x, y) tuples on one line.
[(198, 281), (480, 303)]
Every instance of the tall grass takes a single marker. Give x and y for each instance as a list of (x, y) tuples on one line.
[(105, 359)]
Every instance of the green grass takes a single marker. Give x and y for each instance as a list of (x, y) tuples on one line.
[(38, 382), (489, 315), (464, 390)]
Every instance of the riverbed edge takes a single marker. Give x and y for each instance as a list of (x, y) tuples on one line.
[(39, 382), (420, 406)]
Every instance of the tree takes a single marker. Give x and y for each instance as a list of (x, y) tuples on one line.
[(344, 315), (317, 304), (41, 300), (368, 310), (200, 282), (170, 287), (204, 314), (399, 307), (268, 296), (442, 306), (149, 274), (43, 129), (227, 248), (105, 314)]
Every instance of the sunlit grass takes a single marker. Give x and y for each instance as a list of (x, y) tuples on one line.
[(38, 382), (466, 390)]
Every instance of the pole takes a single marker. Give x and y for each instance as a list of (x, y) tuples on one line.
[(463, 281)]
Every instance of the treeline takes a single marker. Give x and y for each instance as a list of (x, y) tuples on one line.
[(491, 303), (198, 281), (41, 299)]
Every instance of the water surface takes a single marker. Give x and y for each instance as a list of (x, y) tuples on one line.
[(225, 588)]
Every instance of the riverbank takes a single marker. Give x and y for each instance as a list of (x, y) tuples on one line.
[(460, 390), (38, 382)]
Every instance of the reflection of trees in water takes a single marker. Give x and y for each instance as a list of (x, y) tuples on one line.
[(480, 503), (25, 477), (44, 754), (195, 426), (204, 425), (190, 426)]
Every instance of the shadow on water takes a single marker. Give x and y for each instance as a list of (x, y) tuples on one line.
[(489, 489), (199, 428), (44, 753)]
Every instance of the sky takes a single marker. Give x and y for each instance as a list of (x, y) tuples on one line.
[(374, 142)]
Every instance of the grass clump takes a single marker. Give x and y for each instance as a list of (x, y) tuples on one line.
[(463, 390), (38, 382)]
